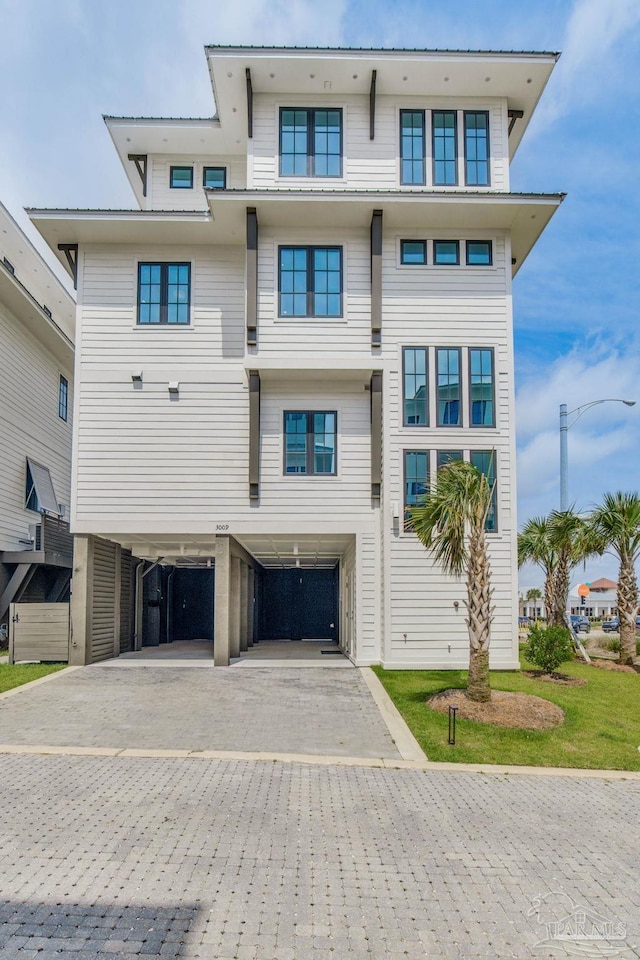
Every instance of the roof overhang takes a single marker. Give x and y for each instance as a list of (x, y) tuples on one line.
[(524, 216), (127, 226), (520, 78), (317, 369), (34, 318)]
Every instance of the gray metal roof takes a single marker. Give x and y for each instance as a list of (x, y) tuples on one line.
[(382, 50), (109, 116)]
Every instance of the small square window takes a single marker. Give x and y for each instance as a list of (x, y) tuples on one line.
[(181, 178), (446, 252), (413, 252), (214, 178), (479, 253)]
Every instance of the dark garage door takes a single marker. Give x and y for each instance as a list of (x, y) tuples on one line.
[(299, 604), (191, 604)]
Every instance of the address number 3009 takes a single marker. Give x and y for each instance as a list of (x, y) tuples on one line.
[(222, 526)]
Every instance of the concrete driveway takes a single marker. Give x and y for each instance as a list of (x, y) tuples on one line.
[(276, 708)]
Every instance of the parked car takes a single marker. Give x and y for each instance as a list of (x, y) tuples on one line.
[(524, 621), (580, 624), (612, 625)]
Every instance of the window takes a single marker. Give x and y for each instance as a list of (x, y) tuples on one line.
[(481, 387), (39, 493), (10, 267), (416, 410), (448, 456), (416, 481), (47, 311), (413, 252), (310, 142), (214, 178), (310, 442), (446, 252), (63, 398), (476, 148), (485, 462), (445, 148), (181, 178), (310, 282), (448, 367), (479, 253), (164, 293), (412, 146)]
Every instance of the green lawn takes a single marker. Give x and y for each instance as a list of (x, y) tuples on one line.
[(14, 675), (601, 729)]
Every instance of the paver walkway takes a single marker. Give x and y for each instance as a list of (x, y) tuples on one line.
[(275, 709), (123, 857)]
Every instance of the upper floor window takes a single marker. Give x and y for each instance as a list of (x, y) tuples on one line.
[(449, 386), (416, 401), (214, 178), (164, 293), (476, 148), (181, 178), (310, 283), (479, 253), (416, 481), (485, 462), (446, 252), (310, 442), (481, 387), (63, 398), (445, 147), (448, 456), (412, 146), (310, 142), (39, 493), (413, 252)]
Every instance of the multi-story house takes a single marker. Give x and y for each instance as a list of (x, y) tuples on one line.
[(309, 313), (37, 318)]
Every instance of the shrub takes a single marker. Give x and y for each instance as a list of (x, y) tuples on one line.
[(614, 646), (549, 647)]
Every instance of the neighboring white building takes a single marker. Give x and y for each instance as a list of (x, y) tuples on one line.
[(37, 317), (602, 601), (310, 311)]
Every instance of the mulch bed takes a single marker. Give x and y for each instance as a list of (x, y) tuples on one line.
[(612, 665), (519, 710), (560, 678)]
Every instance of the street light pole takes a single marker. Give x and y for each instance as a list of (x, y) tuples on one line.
[(564, 451)]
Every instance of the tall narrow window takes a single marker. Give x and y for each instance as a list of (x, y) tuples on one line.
[(448, 367), (481, 387), (63, 398), (310, 283), (445, 148), (164, 293), (416, 481), (476, 148), (310, 142), (448, 456), (485, 462), (416, 408), (412, 146), (310, 442)]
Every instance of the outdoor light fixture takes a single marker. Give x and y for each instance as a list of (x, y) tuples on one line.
[(564, 453), (174, 388), (136, 378)]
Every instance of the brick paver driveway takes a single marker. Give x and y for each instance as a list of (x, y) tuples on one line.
[(277, 709), (182, 858)]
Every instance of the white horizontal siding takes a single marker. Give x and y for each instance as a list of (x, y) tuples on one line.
[(369, 164), (29, 426), (160, 194)]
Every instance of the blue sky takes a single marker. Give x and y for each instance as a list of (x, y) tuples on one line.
[(63, 63)]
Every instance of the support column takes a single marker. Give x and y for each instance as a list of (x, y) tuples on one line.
[(234, 608), (81, 601), (117, 601), (221, 610), (244, 607), (250, 606)]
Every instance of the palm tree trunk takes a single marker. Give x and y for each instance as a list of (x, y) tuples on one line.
[(627, 610), (548, 596), (560, 593), (479, 613)]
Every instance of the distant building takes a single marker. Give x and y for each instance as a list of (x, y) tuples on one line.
[(601, 602)]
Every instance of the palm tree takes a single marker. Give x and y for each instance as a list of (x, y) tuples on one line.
[(616, 522), (534, 546), (451, 522), (533, 595)]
